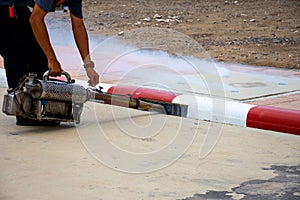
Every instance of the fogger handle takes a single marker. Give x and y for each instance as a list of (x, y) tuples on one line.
[(66, 74)]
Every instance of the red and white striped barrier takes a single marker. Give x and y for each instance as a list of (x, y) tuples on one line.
[(220, 110)]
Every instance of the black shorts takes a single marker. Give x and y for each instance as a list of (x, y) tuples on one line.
[(18, 46)]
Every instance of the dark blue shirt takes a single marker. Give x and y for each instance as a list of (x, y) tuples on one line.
[(15, 2), (75, 6)]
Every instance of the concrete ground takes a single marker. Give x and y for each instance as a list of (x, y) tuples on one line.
[(59, 162), (115, 153)]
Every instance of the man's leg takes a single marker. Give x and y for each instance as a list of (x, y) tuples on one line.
[(18, 46), (12, 48), (36, 59)]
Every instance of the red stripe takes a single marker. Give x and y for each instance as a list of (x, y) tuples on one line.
[(59, 2), (275, 119), (144, 93)]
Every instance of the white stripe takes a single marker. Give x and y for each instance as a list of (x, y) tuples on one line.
[(215, 109), (85, 84)]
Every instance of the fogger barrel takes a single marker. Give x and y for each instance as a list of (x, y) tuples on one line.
[(56, 90), (46, 100)]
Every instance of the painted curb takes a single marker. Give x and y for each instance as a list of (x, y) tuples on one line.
[(220, 110), (275, 119)]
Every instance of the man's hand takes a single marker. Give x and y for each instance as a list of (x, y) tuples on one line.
[(54, 68), (93, 76)]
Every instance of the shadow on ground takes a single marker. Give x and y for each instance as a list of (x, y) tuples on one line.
[(285, 185)]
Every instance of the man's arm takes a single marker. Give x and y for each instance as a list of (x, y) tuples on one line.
[(41, 33), (81, 39)]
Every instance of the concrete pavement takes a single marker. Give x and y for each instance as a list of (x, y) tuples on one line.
[(109, 155), (56, 163)]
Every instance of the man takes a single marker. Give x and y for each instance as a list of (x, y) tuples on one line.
[(40, 10), (22, 53)]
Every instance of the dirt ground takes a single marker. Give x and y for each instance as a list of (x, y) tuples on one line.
[(260, 33)]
